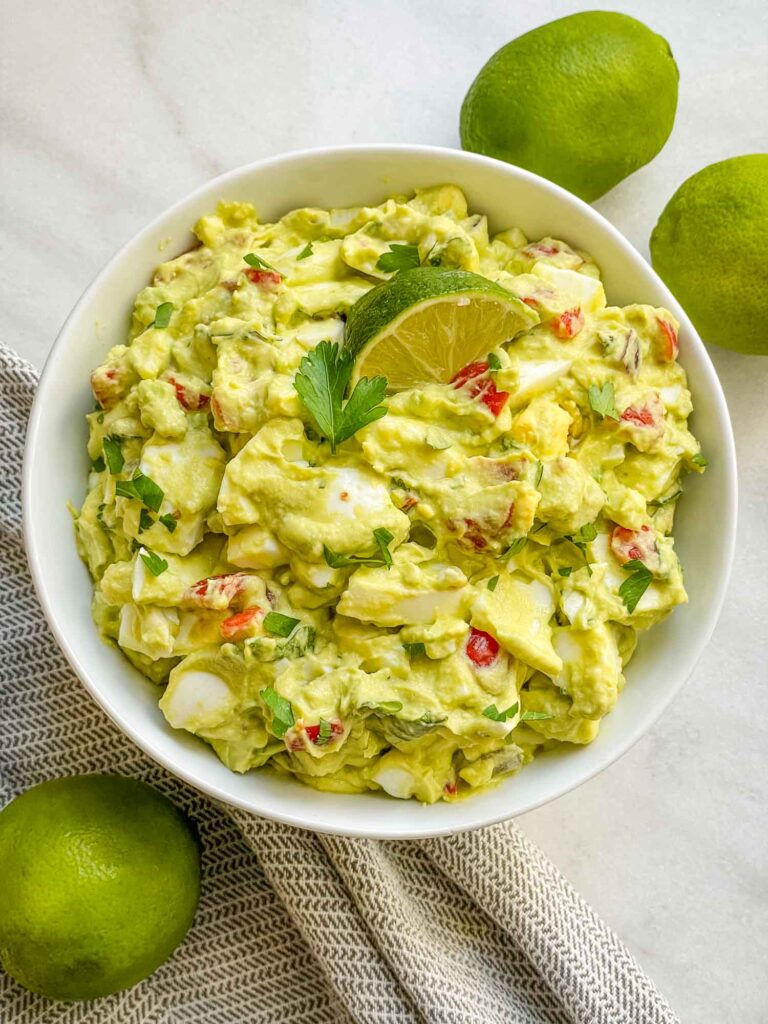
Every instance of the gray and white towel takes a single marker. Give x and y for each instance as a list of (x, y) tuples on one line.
[(295, 927)]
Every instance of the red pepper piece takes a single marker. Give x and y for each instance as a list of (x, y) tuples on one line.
[(313, 731), (263, 278), (642, 417), (482, 648), (187, 398), (468, 372), (568, 324), (238, 626), (671, 345)]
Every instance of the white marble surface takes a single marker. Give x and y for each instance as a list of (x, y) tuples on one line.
[(112, 111)]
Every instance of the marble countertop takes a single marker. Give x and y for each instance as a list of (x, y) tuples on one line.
[(112, 112)]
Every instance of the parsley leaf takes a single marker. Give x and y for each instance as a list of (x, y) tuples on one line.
[(515, 547), (324, 733), (145, 521), (282, 712), (384, 707), (113, 453), (495, 715), (494, 363), (280, 625), (399, 257), (633, 588), (256, 261), (321, 382), (492, 583), (699, 460), (363, 406), (382, 537), (99, 465), (509, 445), (169, 521), (153, 562), (163, 315), (586, 534), (603, 400), (306, 252), (661, 502), (415, 650), (143, 488), (565, 570)]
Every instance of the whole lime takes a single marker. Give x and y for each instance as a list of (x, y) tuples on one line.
[(100, 883), (584, 101), (710, 245)]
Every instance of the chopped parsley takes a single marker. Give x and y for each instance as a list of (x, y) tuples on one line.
[(415, 650), (98, 465), (163, 315), (324, 733), (494, 363), (633, 588), (565, 570), (153, 562), (280, 625), (282, 712), (382, 538), (145, 520), (492, 583), (539, 474), (306, 252), (113, 453), (661, 502), (143, 488), (256, 261), (515, 547), (169, 521), (699, 460), (508, 444), (400, 257), (603, 400), (586, 535), (495, 715), (322, 379)]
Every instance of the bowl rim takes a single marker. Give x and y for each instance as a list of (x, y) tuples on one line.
[(198, 780)]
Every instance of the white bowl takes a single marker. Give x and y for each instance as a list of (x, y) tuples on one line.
[(56, 466)]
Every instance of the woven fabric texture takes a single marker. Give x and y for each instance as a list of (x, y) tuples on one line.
[(478, 928)]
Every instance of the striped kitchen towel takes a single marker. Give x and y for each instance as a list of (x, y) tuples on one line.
[(294, 927)]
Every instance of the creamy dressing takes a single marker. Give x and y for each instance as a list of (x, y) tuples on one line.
[(460, 583)]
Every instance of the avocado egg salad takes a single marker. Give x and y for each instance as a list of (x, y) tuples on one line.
[(380, 500)]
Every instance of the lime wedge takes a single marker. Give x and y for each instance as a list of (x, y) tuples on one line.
[(423, 325)]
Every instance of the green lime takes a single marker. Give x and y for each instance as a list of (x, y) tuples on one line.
[(425, 324), (100, 882), (584, 101), (711, 247)]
